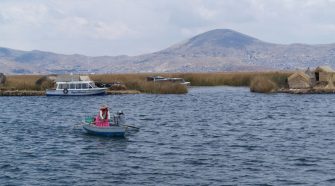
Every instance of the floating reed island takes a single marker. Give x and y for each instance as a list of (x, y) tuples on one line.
[(35, 85), (320, 80), (42, 93), (17, 85)]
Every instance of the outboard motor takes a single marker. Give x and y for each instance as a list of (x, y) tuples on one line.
[(119, 118)]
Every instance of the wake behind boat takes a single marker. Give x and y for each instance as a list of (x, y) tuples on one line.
[(75, 85)]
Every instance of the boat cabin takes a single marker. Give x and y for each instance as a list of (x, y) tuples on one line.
[(156, 78), (177, 80), (74, 82), (163, 79), (75, 85)]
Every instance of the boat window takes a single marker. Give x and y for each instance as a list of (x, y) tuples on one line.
[(77, 86), (84, 86), (72, 86), (63, 86)]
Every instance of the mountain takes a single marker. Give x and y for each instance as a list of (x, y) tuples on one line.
[(215, 50)]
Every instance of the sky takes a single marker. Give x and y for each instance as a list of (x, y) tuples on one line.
[(134, 27)]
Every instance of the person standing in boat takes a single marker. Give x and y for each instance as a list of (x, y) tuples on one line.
[(102, 119)]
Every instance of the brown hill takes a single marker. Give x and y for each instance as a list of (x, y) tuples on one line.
[(216, 50)]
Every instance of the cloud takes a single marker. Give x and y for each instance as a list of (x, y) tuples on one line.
[(111, 31), (23, 14), (112, 27)]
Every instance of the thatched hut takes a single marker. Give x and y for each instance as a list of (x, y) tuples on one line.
[(324, 74), (299, 80), (311, 75)]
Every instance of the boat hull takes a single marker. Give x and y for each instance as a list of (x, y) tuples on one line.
[(77, 92), (112, 131)]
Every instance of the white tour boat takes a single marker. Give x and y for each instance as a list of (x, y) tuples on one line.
[(75, 86), (173, 80)]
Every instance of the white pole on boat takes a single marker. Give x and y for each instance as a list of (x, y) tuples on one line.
[(88, 65)]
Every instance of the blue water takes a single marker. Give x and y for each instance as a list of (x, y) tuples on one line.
[(211, 136)]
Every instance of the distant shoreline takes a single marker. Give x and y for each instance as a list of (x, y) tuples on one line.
[(35, 85), (260, 82), (42, 93)]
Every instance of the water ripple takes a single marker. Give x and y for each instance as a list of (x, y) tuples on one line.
[(211, 136)]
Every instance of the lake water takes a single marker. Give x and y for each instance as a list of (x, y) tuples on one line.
[(211, 136)]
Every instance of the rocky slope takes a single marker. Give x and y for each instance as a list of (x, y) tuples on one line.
[(216, 50)]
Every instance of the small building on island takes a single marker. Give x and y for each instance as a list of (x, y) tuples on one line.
[(324, 74), (322, 77), (300, 80)]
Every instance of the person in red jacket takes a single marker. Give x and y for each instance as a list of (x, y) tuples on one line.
[(102, 119)]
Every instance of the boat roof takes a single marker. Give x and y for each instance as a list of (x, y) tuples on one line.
[(176, 78), (72, 78), (73, 82), (156, 77)]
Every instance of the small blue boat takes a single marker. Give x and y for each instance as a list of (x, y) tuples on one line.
[(116, 128), (111, 131)]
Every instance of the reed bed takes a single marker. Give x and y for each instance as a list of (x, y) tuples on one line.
[(234, 78), (262, 84), (21, 82), (137, 81), (202, 79)]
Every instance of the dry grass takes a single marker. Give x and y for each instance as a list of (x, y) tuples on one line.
[(22, 82), (162, 88), (132, 82), (138, 81), (202, 79), (233, 78), (262, 84)]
